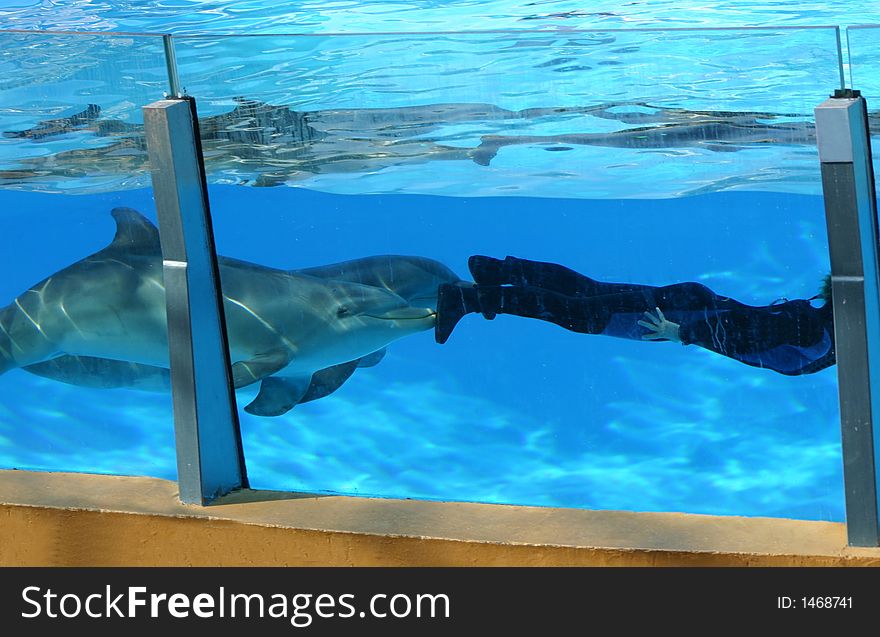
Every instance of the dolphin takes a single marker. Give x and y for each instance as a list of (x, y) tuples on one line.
[(718, 136), (101, 321)]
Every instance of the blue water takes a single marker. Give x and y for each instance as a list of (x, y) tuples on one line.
[(512, 410), (347, 16), (509, 411)]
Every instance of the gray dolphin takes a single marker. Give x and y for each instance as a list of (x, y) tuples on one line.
[(101, 321)]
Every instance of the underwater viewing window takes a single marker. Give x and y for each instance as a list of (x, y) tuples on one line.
[(71, 150), (350, 178)]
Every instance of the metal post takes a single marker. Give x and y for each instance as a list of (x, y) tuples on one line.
[(851, 216), (171, 67), (210, 461)]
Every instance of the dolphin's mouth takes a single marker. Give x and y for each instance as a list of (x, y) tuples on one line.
[(404, 314)]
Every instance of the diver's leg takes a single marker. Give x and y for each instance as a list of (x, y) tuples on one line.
[(586, 315), (551, 276), (592, 314), (690, 297)]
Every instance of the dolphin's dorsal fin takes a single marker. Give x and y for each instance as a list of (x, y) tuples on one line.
[(135, 234)]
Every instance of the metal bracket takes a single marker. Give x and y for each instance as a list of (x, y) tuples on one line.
[(851, 216), (210, 459)]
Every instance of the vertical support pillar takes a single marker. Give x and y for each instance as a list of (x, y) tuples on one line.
[(210, 460), (851, 215)]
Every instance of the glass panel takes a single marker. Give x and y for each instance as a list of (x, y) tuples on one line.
[(548, 85), (647, 158), (72, 150), (863, 45)]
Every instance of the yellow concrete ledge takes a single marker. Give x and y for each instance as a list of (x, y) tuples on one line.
[(90, 520)]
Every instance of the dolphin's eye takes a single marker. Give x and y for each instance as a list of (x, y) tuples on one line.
[(342, 311)]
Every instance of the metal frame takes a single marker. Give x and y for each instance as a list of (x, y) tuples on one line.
[(208, 439), (210, 459), (851, 215), (171, 68)]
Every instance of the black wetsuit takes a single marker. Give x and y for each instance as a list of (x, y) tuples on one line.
[(790, 337)]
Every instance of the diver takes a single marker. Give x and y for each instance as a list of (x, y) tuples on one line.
[(789, 337)]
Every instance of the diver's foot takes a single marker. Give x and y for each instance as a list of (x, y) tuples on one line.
[(486, 270), (452, 304)]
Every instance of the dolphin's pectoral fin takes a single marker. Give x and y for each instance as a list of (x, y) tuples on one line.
[(328, 380), (105, 373), (278, 396), (372, 359), (135, 234), (247, 372)]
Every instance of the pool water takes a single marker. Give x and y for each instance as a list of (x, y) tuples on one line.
[(352, 16), (513, 410)]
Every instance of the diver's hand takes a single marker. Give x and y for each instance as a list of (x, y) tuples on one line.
[(660, 328)]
